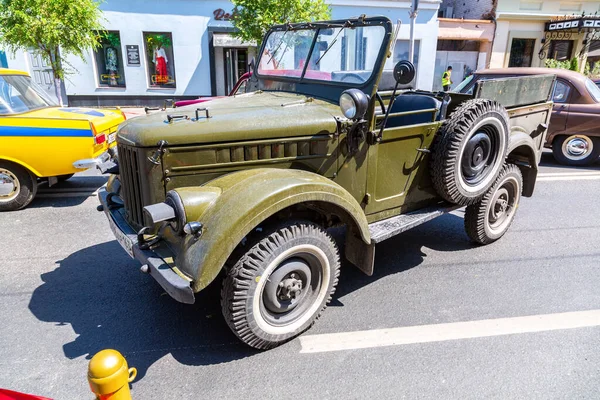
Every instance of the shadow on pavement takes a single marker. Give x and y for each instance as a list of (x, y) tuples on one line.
[(100, 292), (69, 193), (403, 252)]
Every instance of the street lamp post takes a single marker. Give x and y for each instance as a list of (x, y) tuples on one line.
[(413, 16)]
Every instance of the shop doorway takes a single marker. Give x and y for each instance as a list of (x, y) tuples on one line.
[(236, 65)]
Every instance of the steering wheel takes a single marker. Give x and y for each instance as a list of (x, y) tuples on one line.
[(380, 101)]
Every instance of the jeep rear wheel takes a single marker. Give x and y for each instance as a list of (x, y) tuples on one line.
[(280, 286), (489, 219), (469, 151), (17, 187)]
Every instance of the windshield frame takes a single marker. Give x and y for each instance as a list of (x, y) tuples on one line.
[(316, 26), (41, 94)]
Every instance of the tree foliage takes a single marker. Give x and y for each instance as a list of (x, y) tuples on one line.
[(56, 28), (253, 18)]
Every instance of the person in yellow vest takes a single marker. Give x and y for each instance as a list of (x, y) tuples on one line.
[(446, 81)]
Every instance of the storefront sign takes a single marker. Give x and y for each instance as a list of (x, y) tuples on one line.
[(579, 23), (221, 15), (133, 55)]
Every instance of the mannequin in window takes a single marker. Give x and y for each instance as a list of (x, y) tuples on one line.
[(111, 65), (160, 64)]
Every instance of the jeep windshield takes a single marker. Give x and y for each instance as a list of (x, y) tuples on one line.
[(337, 53)]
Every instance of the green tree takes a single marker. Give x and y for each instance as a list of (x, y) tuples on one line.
[(574, 65), (55, 28), (253, 18)]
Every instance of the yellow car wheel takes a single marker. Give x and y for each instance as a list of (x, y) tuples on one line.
[(17, 187)]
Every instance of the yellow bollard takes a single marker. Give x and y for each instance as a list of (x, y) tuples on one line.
[(109, 376)]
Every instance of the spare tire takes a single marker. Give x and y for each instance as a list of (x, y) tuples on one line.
[(469, 151)]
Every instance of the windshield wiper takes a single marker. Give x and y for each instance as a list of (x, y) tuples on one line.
[(329, 47), (278, 46)]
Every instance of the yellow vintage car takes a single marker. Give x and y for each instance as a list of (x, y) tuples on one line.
[(40, 140)]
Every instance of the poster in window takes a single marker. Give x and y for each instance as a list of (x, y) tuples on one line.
[(109, 60), (159, 55)]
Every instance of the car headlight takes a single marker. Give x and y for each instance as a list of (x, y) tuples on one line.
[(354, 103)]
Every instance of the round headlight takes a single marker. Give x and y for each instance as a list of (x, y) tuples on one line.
[(348, 106), (354, 103)]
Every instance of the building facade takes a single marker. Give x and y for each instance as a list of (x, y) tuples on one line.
[(524, 38), (155, 50), (465, 38)]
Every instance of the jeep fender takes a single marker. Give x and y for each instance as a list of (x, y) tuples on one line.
[(233, 205), (523, 151)]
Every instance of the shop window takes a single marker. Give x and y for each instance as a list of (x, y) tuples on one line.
[(521, 52), (457, 45), (109, 60), (159, 59), (561, 50)]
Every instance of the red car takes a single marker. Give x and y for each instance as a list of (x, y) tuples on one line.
[(239, 88)]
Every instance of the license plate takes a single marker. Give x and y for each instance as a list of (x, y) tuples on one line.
[(122, 238), (112, 137)]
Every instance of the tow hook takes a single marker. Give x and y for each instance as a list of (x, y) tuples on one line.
[(146, 244)]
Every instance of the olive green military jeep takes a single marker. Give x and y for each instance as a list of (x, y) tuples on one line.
[(246, 187)]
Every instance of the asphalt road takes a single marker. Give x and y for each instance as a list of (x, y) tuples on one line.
[(68, 290)]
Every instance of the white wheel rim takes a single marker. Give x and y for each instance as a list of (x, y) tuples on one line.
[(10, 186), (308, 314), (492, 174), (577, 147)]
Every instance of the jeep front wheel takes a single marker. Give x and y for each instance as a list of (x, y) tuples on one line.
[(469, 151), (489, 219), (280, 286)]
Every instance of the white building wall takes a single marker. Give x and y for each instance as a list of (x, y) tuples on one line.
[(426, 29), (188, 26), (187, 21)]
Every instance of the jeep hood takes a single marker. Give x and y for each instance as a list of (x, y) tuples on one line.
[(258, 115)]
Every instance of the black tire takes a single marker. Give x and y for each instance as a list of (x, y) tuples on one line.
[(469, 151), (489, 219), (62, 178), (17, 188), (576, 149), (261, 300)]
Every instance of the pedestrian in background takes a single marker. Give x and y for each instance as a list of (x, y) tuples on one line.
[(446, 81)]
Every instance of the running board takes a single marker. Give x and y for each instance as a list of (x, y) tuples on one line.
[(390, 227)]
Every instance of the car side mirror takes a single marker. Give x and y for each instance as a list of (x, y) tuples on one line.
[(404, 72)]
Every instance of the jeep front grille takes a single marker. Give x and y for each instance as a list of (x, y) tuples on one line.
[(129, 171)]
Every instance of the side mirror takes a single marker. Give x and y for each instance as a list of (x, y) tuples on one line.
[(354, 104), (404, 72)]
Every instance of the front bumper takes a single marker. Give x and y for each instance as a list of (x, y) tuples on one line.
[(174, 284)]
